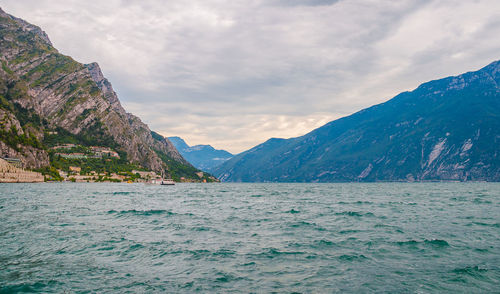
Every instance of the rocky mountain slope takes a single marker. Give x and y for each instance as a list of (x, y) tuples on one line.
[(42, 90), (447, 129), (204, 157)]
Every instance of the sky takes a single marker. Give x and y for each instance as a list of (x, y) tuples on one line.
[(233, 73)]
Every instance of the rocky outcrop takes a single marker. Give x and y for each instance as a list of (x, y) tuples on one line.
[(25, 26), (105, 86), (30, 156)]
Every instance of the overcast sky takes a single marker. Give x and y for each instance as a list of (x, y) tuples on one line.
[(235, 73)]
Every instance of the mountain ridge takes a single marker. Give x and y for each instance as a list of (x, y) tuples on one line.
[(368, 145)]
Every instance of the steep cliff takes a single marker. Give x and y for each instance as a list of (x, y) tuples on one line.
[(39, 81)]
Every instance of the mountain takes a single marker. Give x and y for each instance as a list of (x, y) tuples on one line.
[(204, 157), (447, 129), (47, 98), (179, 143)]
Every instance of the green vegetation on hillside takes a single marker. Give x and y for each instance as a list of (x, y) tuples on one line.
[(29, 121), (100, 165), (157, 136), (50, 173), (94, 136), (13, 139)]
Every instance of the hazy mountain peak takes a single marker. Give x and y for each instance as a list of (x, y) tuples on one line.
[(204, 157), (179, 143)]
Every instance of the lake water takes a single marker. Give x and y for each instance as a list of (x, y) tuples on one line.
[(320, 238)]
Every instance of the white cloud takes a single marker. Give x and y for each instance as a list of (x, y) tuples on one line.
[(234, 73)]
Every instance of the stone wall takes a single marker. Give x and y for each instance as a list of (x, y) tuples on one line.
[(11, 174)]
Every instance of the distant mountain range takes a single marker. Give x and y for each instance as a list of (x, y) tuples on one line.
[(447, 129), (204, 157), (48, 98)]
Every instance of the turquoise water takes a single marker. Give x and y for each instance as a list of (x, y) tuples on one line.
[(321, 238)]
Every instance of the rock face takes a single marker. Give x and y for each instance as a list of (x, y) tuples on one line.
[(105, 86), (62, 93), (204, 157), (447, 129), (30, 155)]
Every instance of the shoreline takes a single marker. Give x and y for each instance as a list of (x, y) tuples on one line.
[(322, 183)]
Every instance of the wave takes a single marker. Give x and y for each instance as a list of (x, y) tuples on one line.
[(27, 287), (122, 193), (141, 212), (201, 253), (304, 224), (437, 242), (201, 229), (320, 243), (480, 200), (495, 225), (432, 242), (359, 202), (352, 257), (470, 270), (345, 232), (224, 253), (223, 277), (323, 243), (355, 213), (273, 252), (136, 246), (197, 254)]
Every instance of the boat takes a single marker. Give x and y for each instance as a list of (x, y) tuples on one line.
[(168, 181)]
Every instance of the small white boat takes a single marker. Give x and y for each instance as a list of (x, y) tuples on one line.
[(169, 182)]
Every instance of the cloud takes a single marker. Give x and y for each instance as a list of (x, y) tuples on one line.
[(303, 2), (234, 73)]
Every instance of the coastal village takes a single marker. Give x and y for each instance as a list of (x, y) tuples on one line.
[(79, 168)]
